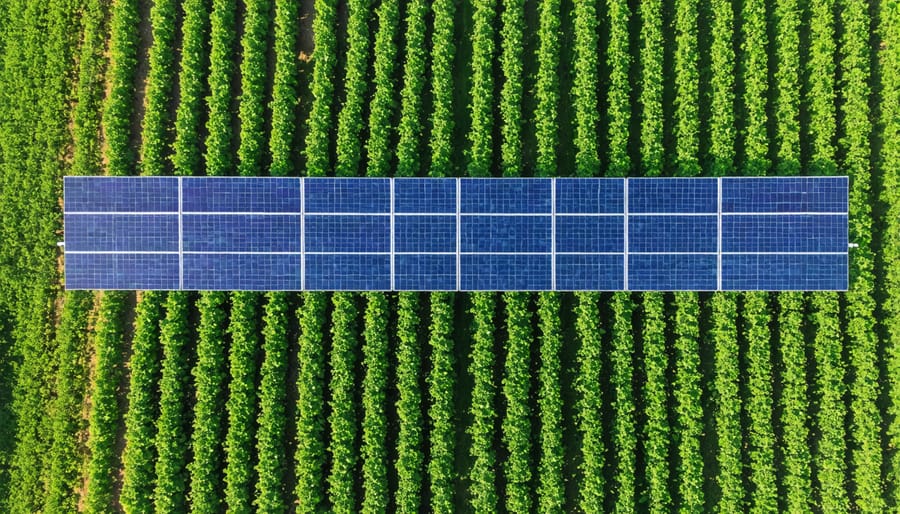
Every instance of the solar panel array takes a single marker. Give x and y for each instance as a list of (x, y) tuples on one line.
[(423, 234)]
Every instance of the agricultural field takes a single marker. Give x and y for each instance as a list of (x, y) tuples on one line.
[(485, 402)]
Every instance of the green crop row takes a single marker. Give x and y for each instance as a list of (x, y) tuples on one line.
[(252, 108), (139, 454), (173, 424), (381, 108), (271, 493), (351, 117), (343, 420), (241, 405), (223, 34), (105, 414), (119, 106), (374, 388), (187, 151), (284, 88), (206, 467), (160, 87)]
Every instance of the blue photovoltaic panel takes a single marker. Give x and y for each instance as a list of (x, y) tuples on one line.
[(672, 195), (486, 272), (505, 195), (784, 194), (326, 233), (672, 233), (122, 271), (240, 194), (358, 195), (501, 234), (672, 272), (121, 232), (425, 234), (348, 272), (425, 272), (246, 272), (590, 195), (240, 233), (120, 194), (784, 233), (425, 195), (590, 234), (589, 272), (505, 234), (749, 272)]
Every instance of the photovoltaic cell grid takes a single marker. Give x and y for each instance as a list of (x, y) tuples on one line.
[(564, 234)]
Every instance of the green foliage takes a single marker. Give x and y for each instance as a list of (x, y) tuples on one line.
[(551, 492), (71, 384), (209, 420), (119, 106), (441, 382), (624, 434), (656, 428), (686, 392), (343, 419), (351, 118), (86, 115), (547, 88), (284, 88), (270, 439), (723, 307), (160, 87), (187, 151), (241, 404), (516, 424), (584, 88), (252, 110), (139, 455), (651, 94), (173, 426), (310, 457), (409, 406), (442, 53), (374, 387), (105, 416), (381, 108), (324, 59), (865, 419), (758, 404), (410, 128), (482, 91), (512, 19), (482, 489), (223, 34), (590, 401)]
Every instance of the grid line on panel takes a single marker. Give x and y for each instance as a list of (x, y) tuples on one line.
[(180, 239), (719, 235), (302, 237), (625, 238), (458, 234), (392, 232), (553, 234)]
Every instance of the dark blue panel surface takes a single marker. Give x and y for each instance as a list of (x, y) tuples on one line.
[(784, 194), (121, 194), (425, 272), (672, 234), (347, 233), (505, 195), (589, 272), (121, 271), (589, 234), (784, 233), (350, 195), (247, 272), (240, 194), (748, 272), (425, 234), (348, 272), (505, 234), (672, 195), (590, 195), (425, 195), (667, 272), (241, 233), (122, 232), (481, 272)]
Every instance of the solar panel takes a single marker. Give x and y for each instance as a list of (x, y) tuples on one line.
[(425, 234)]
